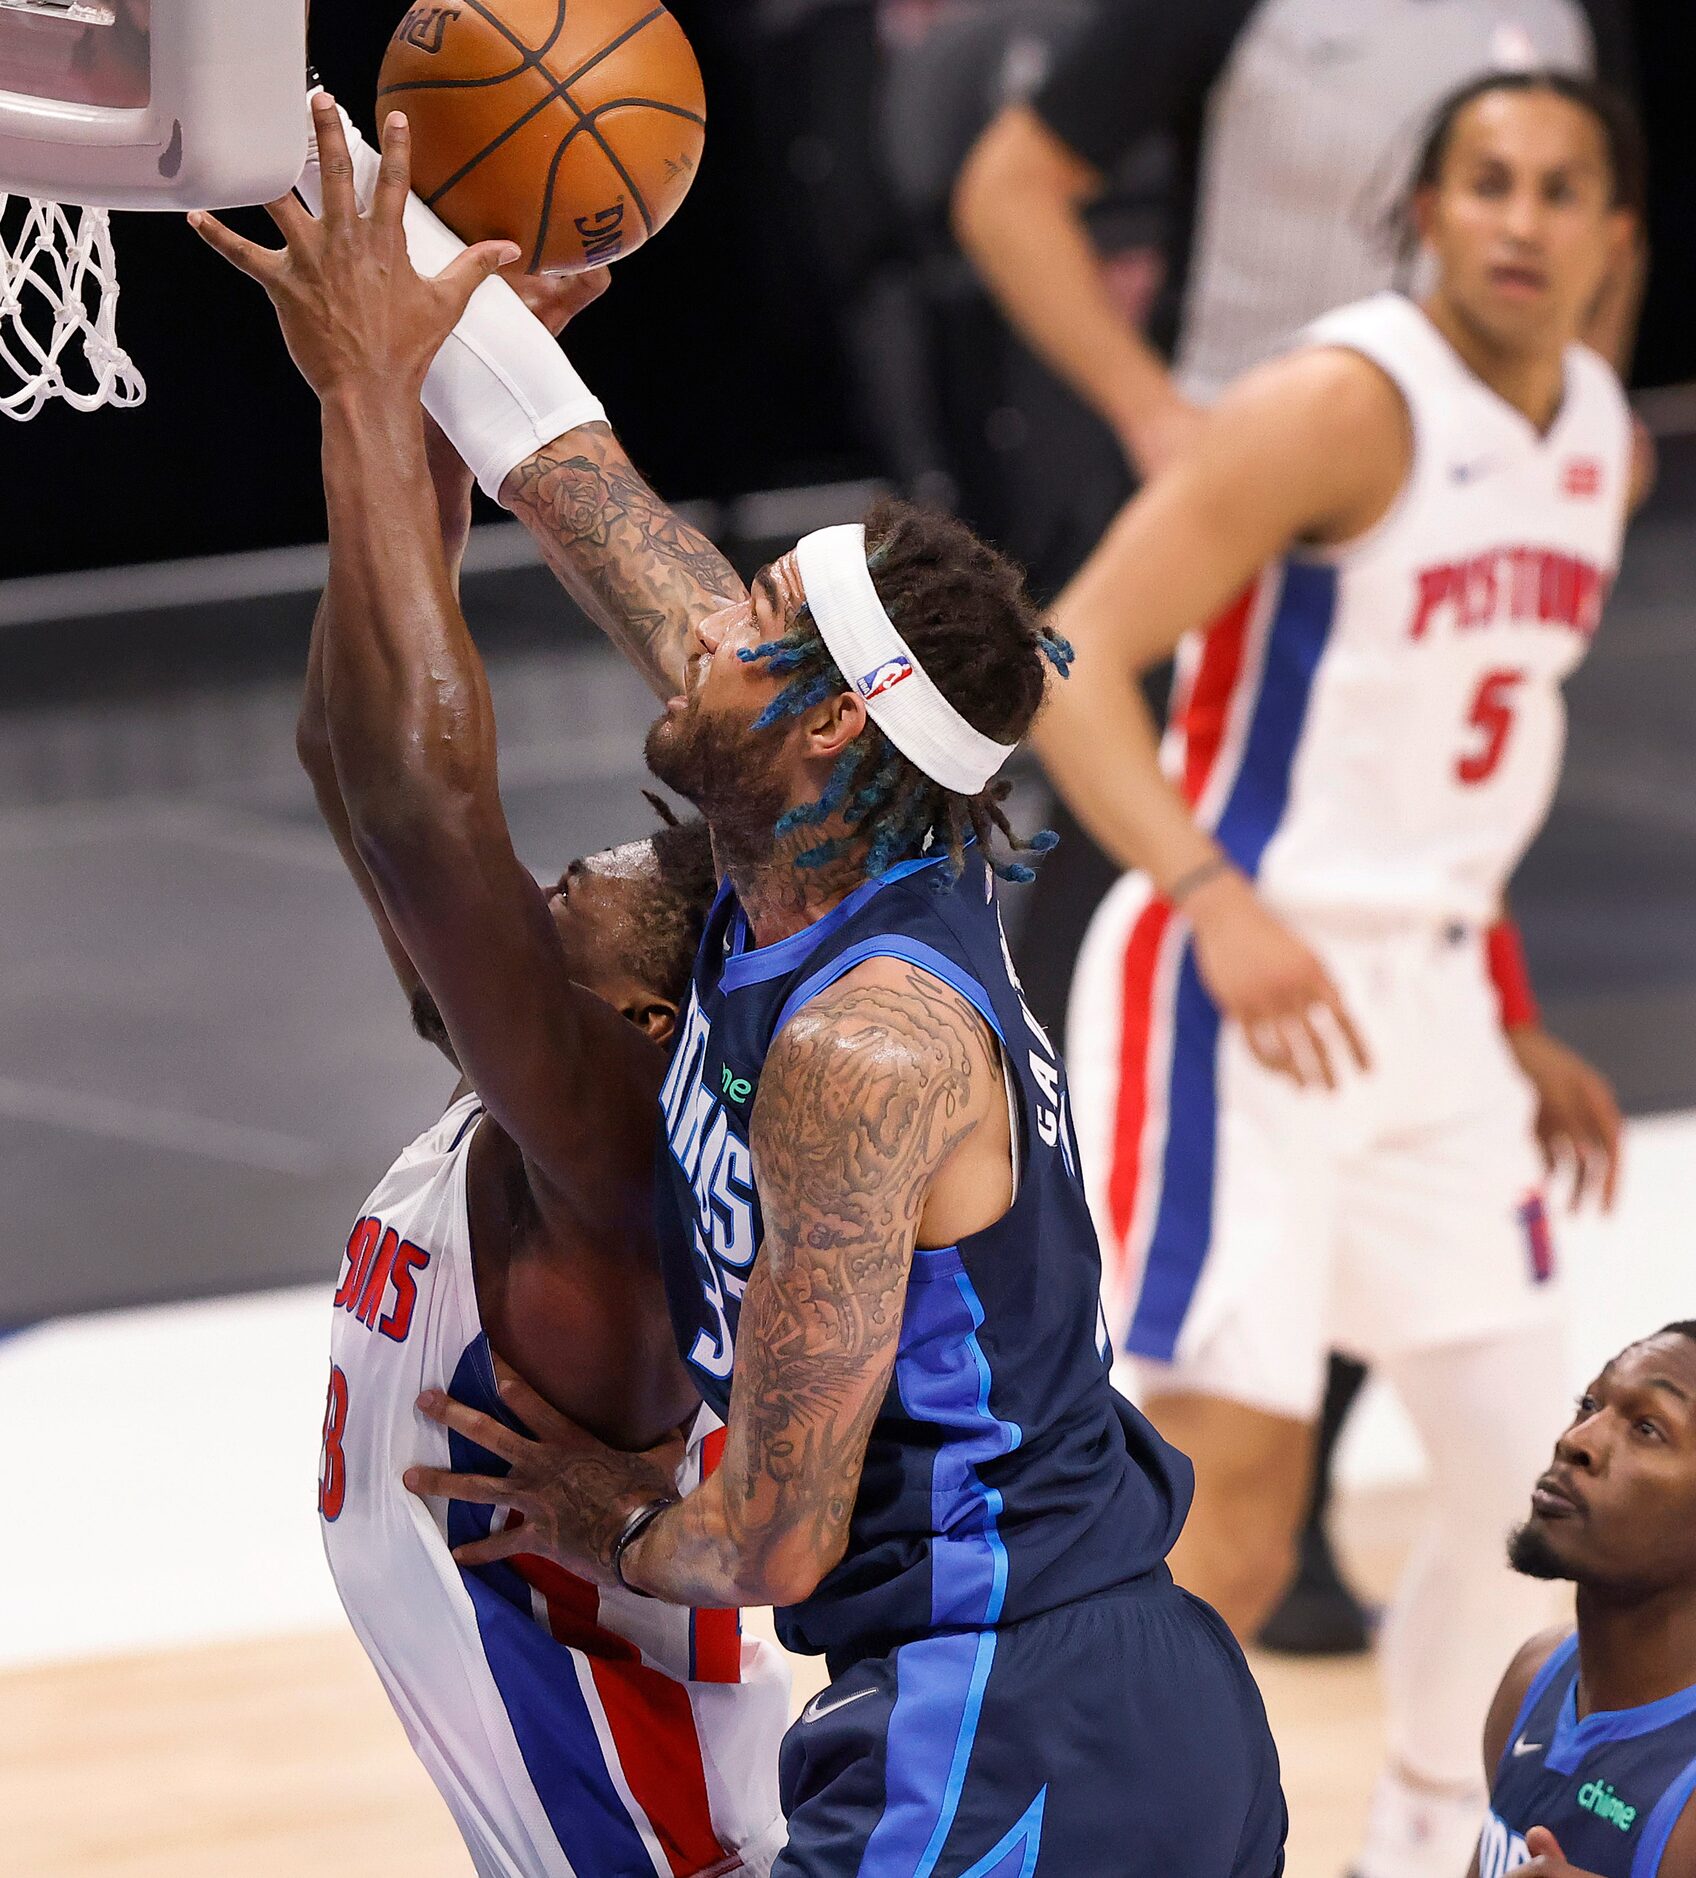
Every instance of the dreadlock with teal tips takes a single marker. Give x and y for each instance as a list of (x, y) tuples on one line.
[(963, 610)]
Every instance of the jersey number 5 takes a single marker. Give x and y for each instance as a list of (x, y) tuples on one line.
[(332, 1462), (1492, 717)]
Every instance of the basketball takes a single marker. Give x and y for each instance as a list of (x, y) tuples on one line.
[(572, 127)]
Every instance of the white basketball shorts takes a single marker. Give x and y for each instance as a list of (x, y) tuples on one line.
[(1249, 1226)]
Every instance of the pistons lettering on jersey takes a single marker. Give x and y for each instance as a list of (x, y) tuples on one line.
[(1500, 1849), (379, 1286), (702, 1134), (1518, 586)]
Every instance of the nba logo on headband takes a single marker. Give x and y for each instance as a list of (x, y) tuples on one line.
[(900, 696), (886, 677)]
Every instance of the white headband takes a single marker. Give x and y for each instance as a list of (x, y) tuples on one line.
[(898, 692)]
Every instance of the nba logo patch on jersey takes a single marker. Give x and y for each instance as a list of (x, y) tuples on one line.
[(1582, 478), (885, 678), (1539, 1241)]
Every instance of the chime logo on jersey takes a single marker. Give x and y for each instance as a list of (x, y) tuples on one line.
[(887, 676), (1597, 1797), (702, 1134), (1500, 1849)]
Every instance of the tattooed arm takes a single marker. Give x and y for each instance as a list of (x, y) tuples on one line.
[(877, 1097), (640, 572)]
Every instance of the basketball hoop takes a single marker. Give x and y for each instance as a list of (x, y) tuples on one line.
[(58, 311), (125, 104)]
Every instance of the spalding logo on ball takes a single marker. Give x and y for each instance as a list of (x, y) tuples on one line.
[(572, 127)]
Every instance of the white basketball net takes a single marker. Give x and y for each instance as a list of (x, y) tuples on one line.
[(58, 310)]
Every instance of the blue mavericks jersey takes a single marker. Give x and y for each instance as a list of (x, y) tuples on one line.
[(1004, 1476), (1610, 1787)]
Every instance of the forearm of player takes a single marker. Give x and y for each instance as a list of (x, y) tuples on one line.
[(640, 572), (1611, 328), (1018, 213), (1122, 798), (713, 1554), (453, 484), (312, 746), (1169, 563), (1304, 450), (411, 728)]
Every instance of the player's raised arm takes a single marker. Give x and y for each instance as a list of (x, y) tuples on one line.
[(537, 440), (641, 572), (411, 730), (312, 734)]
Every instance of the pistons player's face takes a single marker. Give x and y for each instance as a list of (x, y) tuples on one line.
[(1617, 1508), (705, 746), (597, 907), (1521, 219)]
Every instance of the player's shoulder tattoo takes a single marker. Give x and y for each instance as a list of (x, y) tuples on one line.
[(866, 1092), (863, 1095)]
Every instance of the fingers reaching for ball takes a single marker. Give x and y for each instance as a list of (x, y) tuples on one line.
[(394, 173), (354, 312)]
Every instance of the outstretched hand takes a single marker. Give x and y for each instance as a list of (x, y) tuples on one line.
[(353, 311), (572, 1493)]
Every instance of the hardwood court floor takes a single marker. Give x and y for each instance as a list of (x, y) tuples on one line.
[(282, 1759)]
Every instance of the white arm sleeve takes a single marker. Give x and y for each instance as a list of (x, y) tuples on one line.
[(500, 387)]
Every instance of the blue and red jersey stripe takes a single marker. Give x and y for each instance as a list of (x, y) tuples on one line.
[(1259, 678)]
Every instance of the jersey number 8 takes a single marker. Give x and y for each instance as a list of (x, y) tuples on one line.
[(332, 1462)]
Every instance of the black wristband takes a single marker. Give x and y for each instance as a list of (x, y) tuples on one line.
[(632, 1530)]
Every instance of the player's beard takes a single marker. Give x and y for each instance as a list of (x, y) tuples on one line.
[(1532, 1556), (731, 773)]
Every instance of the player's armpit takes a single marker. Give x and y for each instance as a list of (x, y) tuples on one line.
[(866, 1095), (631, 562)]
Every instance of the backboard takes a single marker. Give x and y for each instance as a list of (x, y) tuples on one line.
[(152, 104)]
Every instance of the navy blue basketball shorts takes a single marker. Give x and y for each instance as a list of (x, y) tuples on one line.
[(1121, 1737)]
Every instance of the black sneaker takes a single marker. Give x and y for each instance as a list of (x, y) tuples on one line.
[(1320, 1615)]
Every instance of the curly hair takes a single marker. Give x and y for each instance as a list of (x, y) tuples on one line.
[(675, 907), (963, 610)]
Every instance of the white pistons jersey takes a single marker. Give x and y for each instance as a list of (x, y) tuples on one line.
[(574, 1731), (1378, 730)]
